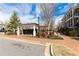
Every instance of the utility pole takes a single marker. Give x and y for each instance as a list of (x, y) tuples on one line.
[(38, 28)]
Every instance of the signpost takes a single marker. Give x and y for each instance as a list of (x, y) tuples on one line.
[(38, 28)]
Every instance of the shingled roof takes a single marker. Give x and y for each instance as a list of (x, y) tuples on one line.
[(30, 26)]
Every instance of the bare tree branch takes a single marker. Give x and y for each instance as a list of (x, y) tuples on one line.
[(47, 13)]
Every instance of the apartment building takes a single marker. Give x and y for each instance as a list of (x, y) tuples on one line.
[(71, 18)]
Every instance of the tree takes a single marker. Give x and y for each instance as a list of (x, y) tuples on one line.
[(47, 14), (14, 22)]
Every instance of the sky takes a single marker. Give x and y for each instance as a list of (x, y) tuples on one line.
[(25, 12), (61, 10), (28, 11)]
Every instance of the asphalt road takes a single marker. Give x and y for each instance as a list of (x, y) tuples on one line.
[(17, 48)]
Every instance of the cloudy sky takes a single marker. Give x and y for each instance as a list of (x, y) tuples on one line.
[(26, 12), (61, 10)]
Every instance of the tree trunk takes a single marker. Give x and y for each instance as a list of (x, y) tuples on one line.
[(49, 23)]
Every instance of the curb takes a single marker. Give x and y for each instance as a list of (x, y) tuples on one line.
[(52, 51), (47, 49)]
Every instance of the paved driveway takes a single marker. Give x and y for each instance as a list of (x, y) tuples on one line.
[(17, 48)]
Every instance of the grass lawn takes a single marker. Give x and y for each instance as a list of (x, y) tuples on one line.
[(62, 51)]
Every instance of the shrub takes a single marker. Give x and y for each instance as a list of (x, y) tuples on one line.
[(73, 33), (42, 34)]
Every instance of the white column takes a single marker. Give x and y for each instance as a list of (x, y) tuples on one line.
[(18, 31), (22, 31), (34, 31)]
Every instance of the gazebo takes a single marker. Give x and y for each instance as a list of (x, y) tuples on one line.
[(29, 28)]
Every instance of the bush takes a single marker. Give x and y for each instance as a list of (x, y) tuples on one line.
[(70, 31), (74, 32), (50, 35), (42, 34), (45, 34)]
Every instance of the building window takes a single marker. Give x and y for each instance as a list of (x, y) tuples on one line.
[(71, 23), (76, 12)]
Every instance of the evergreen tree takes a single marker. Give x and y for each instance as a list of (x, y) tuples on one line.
[(14, 22)]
